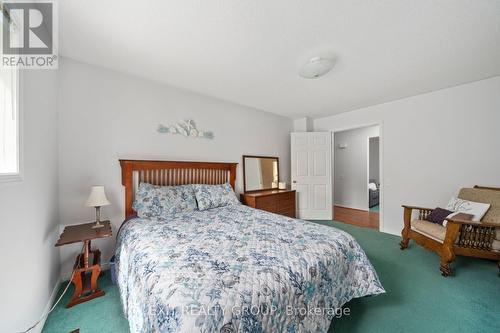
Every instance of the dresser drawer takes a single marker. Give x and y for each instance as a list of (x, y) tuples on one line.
[(286, 198), (287, 212), (275, 201), (267, 203)]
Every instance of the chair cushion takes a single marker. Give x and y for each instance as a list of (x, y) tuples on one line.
[(429, 229)]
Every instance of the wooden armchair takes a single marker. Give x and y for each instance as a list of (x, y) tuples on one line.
[(460, 236)]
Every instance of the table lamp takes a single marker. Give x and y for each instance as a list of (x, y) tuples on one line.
[(97, 199)]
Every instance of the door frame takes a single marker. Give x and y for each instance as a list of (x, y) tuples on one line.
[(380, 124)]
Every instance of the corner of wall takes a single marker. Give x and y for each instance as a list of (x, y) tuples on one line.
[(305, 124)]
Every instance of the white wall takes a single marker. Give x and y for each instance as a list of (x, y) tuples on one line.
[(303, 125), (374, 160), (432, 144), (105, 115), (29, 209), (350, 184)]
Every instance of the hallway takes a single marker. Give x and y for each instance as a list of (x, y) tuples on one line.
[(360, 218)]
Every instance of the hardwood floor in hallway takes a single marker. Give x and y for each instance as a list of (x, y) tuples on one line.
[(357, 217)]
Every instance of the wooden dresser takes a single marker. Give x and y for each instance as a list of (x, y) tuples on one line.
[(274, 201)]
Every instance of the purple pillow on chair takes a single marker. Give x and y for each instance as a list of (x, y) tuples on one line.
[(438, 215)]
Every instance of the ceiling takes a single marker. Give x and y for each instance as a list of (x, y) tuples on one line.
[(249, 51)]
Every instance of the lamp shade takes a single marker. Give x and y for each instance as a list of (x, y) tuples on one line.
[(97, 197)]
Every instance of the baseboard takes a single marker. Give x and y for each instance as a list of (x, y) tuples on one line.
[(65, 276), (391, 232), (52, 299)]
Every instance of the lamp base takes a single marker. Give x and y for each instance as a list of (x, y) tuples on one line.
[(97, 225)]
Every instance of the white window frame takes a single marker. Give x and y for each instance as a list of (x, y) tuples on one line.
[(17, 176)]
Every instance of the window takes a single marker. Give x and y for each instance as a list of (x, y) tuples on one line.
[(9, 124)]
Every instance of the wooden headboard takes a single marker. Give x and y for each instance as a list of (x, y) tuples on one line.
[(172, 173)]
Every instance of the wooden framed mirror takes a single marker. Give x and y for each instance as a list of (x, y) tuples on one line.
[(260, 173)]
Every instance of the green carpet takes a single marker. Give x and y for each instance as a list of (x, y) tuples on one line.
[(418, 298), (103, 314), (375, 209)]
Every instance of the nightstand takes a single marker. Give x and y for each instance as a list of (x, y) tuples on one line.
[(88, 263)]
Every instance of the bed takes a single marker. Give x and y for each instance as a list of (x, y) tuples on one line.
[(373, 193), (231, 268)]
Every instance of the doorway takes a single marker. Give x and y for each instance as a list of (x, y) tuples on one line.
[(374, 174), (356, 176)]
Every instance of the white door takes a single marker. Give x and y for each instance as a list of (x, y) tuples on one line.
[(312, 174)]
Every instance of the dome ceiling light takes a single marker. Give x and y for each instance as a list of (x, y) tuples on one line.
[(316, 67)]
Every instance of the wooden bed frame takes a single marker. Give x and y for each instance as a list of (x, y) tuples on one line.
[(172, 173)]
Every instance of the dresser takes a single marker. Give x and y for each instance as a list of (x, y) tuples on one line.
[(274, 201)]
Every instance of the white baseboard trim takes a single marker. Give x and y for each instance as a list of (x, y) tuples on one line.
[(66, 275), (392, 232), (52, 298)]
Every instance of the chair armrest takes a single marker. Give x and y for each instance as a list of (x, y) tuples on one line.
[(469, 222), (408, 212), (422, 213)]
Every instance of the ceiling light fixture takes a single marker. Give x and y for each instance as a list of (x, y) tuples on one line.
[(316, 67)]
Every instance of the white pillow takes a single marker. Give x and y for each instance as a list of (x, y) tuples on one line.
[(476, 209)]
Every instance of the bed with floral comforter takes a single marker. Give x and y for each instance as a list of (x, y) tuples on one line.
[(237, 269)]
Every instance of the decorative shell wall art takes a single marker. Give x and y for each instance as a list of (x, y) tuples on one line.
[(186, 128)]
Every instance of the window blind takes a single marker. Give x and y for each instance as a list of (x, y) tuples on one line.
[(9, 122)]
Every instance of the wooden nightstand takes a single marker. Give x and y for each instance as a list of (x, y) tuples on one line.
[(274, 201), (86, 273)]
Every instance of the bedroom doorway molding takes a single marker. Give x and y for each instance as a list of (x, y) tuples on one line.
[(383, 186)]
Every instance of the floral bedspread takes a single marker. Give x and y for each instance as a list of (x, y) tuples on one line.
[(237, 269)]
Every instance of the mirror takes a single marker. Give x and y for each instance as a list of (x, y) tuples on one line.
[(260, 173)]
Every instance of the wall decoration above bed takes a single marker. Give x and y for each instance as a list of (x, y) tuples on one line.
[(186, 128)]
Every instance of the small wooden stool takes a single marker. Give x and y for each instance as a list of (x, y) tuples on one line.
[(86, 271)]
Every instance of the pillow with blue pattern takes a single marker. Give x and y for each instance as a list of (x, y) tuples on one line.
[(155, 201), (213, 196)]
